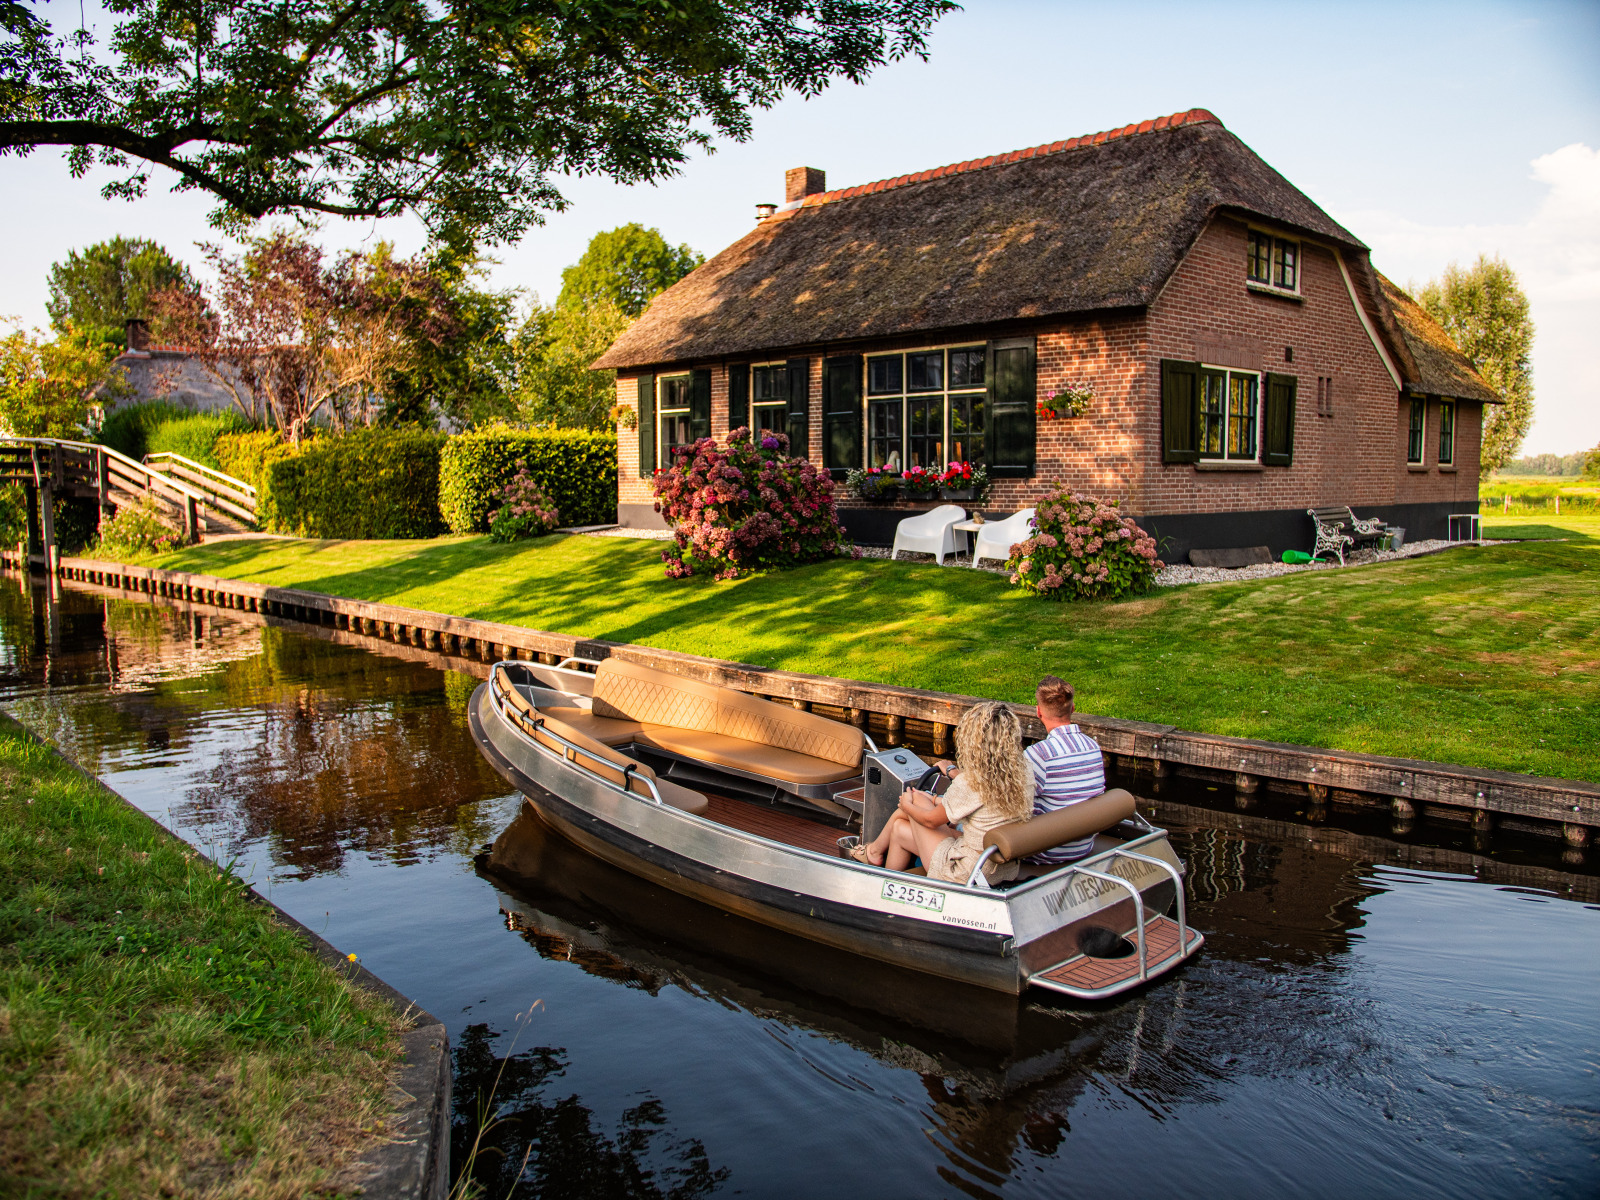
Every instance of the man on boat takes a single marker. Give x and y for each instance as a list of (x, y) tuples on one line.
[(1068, 766)]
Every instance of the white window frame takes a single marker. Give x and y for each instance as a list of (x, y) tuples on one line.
[(1413, 403), (1274, 240), (782, 406), (1447, 427), (663, 446), (1227, 376), (905, 394)]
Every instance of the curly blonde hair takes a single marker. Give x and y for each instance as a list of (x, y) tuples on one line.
[(989, 751)]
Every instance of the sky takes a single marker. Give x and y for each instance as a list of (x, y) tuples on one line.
[(1434, 132)]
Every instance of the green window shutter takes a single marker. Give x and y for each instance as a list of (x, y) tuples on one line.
[(738, 396), (799, 425), (841, 414), (1013, 417), (647, 426), (1180, 411), (1277, 449), (700, 404)]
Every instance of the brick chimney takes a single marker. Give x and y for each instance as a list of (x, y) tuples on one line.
[(800, 182), (138, 335)]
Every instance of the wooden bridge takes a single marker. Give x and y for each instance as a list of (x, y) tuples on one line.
[(190, 498)]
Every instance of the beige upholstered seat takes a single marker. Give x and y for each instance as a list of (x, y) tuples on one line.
[(607, 730), (725, 751)]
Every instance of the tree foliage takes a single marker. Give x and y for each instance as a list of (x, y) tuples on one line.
[(1483, 308), (47, 387), (626, 267), (295, 339), (552, 383), (100, 288), (462, 112)]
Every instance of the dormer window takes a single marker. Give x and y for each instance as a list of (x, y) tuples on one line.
[(1273, 262)]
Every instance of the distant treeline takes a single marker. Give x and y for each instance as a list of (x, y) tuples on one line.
[(1547, 464)]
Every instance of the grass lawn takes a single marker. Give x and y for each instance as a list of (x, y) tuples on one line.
[(1482, 655), (160, 1035)]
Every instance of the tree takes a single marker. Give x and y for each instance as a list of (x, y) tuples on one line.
[(463, 112), (295, 340), (47, 387), (99, 289), (626, 267), (1484, 310), (552, 383)]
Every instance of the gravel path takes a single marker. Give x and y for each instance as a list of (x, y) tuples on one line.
[(1172, 576)]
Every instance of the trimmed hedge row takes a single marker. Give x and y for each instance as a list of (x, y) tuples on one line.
[(370, 483), (247, 456), (576, 468)]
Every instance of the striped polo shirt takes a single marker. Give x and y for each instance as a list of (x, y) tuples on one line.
[(1067, 768)]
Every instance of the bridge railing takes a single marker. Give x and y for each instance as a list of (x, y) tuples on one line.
[(222, 491)]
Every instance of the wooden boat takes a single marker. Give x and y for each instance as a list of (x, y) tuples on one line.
[(746, 805)]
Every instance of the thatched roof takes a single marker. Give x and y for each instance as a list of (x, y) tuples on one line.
[(1097, 222), (1436, 364)]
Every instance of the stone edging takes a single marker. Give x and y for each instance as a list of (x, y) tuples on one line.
[(413, 1162)]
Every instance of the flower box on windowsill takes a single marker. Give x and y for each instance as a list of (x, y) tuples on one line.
[(958, 493)]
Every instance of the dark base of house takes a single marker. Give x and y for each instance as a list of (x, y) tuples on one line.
[(1176, 533)]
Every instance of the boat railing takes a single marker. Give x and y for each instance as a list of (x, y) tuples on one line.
[(1138, 914), (573, 751), (587, 665)]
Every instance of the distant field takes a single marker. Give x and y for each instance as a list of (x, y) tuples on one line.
[(1524, 494)]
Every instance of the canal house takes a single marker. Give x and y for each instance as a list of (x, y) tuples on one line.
[(1150, 314)]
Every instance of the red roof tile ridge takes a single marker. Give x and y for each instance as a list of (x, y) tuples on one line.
[(1194, 116)]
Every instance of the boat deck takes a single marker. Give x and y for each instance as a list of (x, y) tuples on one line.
[(774, 823), (1085, 976)]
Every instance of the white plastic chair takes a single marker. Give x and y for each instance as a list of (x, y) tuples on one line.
[(931, 532), (995, 538)]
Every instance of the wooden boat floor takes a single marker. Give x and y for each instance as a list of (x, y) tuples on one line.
[(1092, 974), (773, 823)]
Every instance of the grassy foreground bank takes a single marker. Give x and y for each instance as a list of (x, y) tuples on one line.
[(159, 1034), (1488, 656)]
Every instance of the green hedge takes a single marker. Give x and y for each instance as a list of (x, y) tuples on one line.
[(372, 483), (246, 456), (127, 429), (577, 468), (195, 436)]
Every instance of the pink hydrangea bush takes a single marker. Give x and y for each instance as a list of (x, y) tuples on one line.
[(525, 511), (1083, 548), (745, 507)]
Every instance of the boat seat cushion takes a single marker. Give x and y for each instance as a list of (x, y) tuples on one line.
[(608, 731), (613, 765), (627, 691), (1019, 839), (724, 751)]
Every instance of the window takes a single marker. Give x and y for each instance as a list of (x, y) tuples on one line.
[(1447, 432), (1273, 262), (769, 399), (1419, 411), (1229, 401), (674, 416), (926, 408)]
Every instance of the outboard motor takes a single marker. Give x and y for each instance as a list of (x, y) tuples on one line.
[(888, 773)]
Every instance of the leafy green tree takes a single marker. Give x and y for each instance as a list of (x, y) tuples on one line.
[(462, 112), (101, 287), (551, 380), (626, 267), (1483, 308), (47, 387)]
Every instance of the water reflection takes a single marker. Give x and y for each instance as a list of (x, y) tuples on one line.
[(1370, 1014)]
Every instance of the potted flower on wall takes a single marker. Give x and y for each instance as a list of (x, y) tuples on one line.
[(872, 485), (964, 481), (919, 483), (1070, 400)]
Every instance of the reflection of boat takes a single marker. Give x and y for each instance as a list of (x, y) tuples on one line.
[(602, 758)]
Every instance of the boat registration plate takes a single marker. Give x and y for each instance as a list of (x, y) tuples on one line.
[(905, 893)]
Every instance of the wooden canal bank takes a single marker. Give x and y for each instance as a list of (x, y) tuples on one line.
[(1411, 789)]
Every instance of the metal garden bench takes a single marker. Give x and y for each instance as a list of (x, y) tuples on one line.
[(1331, 524)]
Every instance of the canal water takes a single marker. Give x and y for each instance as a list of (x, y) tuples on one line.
[(1371, 1016)]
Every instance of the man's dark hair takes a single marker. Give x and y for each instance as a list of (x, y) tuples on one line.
[(1055, 697)]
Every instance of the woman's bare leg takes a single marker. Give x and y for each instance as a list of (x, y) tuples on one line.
[(878, 848)]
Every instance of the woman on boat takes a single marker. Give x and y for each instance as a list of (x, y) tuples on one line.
[(994, 787)]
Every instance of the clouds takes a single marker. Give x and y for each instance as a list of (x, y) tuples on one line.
[(1556, 254)]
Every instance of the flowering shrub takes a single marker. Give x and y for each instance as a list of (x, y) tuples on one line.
[(748, 507), (919, 481), (872, 483), (961, 475), (136, 530), (1083, 548), (525, 511)]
